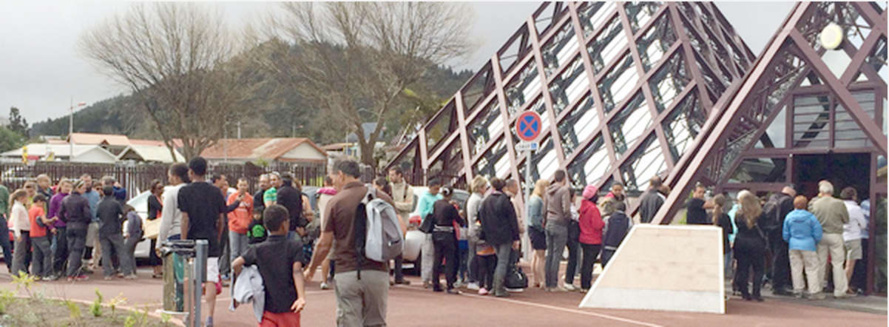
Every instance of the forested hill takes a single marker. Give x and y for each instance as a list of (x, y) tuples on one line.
[(273, 117)]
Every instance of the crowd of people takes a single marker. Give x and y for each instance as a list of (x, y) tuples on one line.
[(791, 242), (272, 235), (68, 229)]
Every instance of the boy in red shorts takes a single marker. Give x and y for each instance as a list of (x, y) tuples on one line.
[(279, 262)]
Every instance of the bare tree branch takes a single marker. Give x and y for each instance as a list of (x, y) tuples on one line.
[(180, 60), (354, 59)]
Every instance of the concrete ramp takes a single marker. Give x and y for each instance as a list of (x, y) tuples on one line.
[(666, 268)]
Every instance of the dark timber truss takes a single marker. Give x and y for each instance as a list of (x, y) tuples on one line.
[(623, 89)]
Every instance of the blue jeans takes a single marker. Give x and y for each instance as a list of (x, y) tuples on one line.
[(237, 243), (504, 253), (556, 239)]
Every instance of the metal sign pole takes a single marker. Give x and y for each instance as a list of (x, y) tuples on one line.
[(200, 275), (528, 182)]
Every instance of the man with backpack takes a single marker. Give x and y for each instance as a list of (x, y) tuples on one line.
[(362, 284), (774, 211)]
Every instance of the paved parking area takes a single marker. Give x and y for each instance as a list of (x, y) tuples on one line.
[(414, 306)]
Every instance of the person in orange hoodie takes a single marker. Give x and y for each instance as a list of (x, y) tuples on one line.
[(239, 219), (591, 226), (41, 265)]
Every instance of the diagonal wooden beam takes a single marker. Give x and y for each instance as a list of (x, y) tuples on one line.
[(858, 114)]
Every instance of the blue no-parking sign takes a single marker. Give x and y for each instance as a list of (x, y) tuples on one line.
[(528, 126)]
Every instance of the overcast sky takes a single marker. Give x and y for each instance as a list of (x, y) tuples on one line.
[(41, 69)]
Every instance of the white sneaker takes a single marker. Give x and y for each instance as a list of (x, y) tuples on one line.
[(324, 286), (570, 287), (472, 286)]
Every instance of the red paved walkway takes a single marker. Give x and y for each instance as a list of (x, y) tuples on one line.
[(414, 306)]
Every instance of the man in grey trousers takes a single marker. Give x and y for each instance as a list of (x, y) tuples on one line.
[(557, 211)]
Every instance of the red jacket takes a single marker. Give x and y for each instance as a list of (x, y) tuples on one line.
[(591, 223)]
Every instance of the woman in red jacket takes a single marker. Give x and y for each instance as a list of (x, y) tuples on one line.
[(591, 226)]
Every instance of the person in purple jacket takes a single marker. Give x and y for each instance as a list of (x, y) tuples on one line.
[(59, 240)]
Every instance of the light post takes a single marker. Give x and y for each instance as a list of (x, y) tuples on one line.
[(71, 128)]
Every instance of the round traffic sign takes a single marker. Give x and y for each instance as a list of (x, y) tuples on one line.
[(528, 126)]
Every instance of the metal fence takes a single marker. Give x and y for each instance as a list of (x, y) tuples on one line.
[(138, 177)]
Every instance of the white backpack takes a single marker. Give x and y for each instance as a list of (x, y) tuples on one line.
[(381, 231)]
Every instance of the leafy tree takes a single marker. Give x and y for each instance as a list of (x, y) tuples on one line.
[(10, 140), (17, 123)]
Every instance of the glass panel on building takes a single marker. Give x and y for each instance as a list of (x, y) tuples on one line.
[(441, 128), (847, 132), (775, 133), (579, 125), (522, 87), (590, 166), (668, 82), (618, 83), (639, 13), (811, 120), (569, 87), (607, 45), (684, 124), (644, 164), (877, 60), (593, 15), (449, 166), (760, 170), (544, 162), (837, 61), (558, 50), (494, 163), (656, 41), (487, 124), (629, 125)]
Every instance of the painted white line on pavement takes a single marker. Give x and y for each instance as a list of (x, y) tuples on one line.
[(551, 307)]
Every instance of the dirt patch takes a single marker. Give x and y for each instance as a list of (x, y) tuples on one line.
[(55, 313)]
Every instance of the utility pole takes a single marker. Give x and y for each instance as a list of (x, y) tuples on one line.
[(71, 127), (71, 131)]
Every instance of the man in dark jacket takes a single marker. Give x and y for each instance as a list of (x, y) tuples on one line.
[(501, 230), (258, 205), (291, 198), (76, 214), (111, 235), (651, 201), (616, 228), (778, 206)]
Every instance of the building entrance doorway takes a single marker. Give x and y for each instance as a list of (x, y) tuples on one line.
[(841, 169)]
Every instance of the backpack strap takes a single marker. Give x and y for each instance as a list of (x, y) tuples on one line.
[(360, 229)]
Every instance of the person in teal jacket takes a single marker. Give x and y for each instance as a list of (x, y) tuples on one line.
[(802, 232), (426, 202), (424, 208)]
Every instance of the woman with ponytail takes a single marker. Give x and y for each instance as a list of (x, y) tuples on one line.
[(750, 247)]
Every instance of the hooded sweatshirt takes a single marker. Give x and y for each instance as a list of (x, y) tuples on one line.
[(802, 230), (591, 223), (557, 205)]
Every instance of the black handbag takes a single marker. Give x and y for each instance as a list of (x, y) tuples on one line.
[(428, 224), (516, 278)]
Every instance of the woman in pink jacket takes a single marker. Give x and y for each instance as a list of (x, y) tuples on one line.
[(591, 226)]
